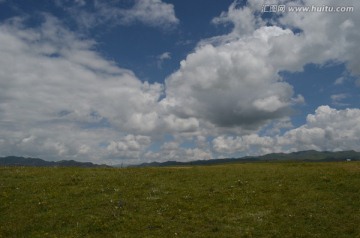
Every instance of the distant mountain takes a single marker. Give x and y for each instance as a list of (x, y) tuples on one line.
[(199, 162), (313, 155), (21, 161), (301, 156)]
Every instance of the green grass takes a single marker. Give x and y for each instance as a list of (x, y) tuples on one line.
[(239, 200)]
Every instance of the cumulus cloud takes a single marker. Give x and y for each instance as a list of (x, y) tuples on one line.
[(173, 151), (233, 80), (232, 84), (328, 129), (56, 90), (59, 98), (243, 19), (129, 147), (333, 37), (54, 76), (217, 78), (252, 144)]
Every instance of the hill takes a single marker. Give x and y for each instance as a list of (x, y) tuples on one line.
[(36, 162), (301, 156)]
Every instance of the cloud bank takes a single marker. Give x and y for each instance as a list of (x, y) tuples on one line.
[(61, 99), (326, 130)]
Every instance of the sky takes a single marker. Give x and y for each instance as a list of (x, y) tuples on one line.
[(134, 81)]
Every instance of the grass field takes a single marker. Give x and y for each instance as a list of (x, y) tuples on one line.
[(238, 200)]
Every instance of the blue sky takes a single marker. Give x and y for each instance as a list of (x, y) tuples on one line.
[(132, 81)]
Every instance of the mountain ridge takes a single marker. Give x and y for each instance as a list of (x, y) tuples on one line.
[(36, 162), (299, 156)]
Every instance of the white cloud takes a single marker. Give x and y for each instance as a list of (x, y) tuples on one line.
[(161, 58), (323, 36), (333, 37), (228, 144), (232, 80), (252, 144), (338, 98), (165, 56), (150, 12), (129, 147), (154, 13), (242, 18), (232, 84), (60, 99), (328, 129), (177, 124), (77, 81), (288, 51), (58, 96), (173, 151), (340, 80)]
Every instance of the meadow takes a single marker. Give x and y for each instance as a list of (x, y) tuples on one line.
[(235, 200)]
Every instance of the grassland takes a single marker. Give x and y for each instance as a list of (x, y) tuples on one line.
[(239, 200)]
